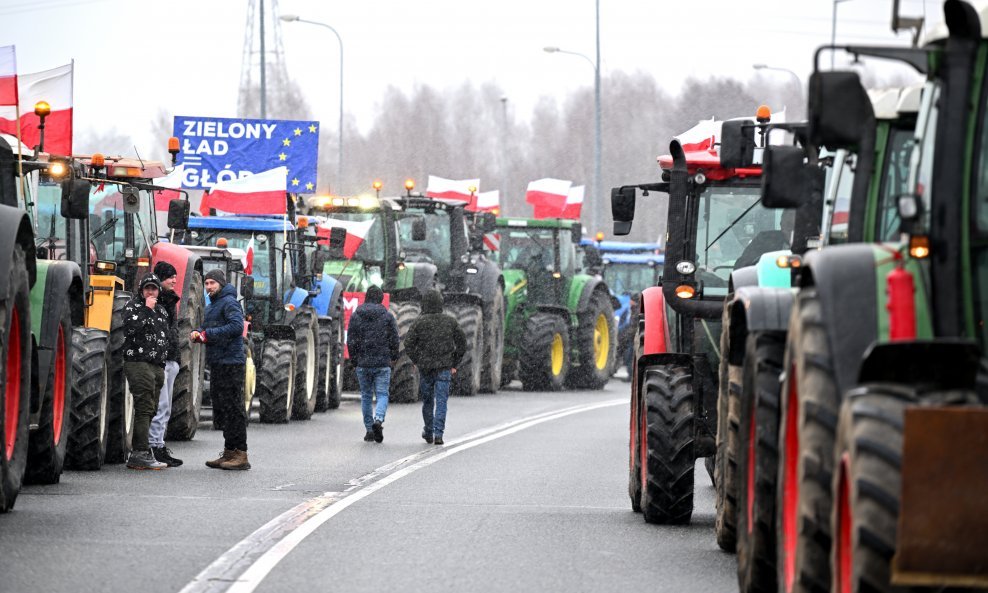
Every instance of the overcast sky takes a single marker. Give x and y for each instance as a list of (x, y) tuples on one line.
[(133, 56)]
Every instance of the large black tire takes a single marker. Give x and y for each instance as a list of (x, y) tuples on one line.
[(726, 460), (468, 371), (90, 400), (667, 490), (490, 370), (276, 381), (807, 436), (120, 418), (636, 428), (758, 458), (306, 325), (47, 443), (404, 376), (15, 380), (187, 391), (334, 378), (595, 343), (543, 354)]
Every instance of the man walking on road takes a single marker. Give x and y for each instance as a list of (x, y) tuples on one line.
[(168, 276), (372, 340), (436, 344), (145, 352), (222, 332)]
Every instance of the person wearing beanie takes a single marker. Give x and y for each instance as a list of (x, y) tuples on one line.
[(167, 276), (145, 351), (372, 341), (222, 332)]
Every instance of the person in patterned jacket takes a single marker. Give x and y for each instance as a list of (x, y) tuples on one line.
[(145, 352)]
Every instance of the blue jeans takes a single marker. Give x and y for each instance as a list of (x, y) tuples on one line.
[(156, 436), (434, 389), (373, 381)]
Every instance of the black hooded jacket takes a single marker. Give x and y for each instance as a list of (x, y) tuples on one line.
[(145, 332), (435, 340), (372, 337), (169, 300)]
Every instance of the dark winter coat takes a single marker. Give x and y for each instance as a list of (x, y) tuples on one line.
[(372, 338), (169, 300), (145, 332), (223, 326), (435, 340)]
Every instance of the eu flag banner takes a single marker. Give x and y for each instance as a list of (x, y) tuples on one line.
[(217, 149)]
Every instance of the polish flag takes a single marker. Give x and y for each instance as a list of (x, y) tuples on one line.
[(574, 203), (249, 257), (488, 201), (452, 189), (55, 87), (547, 196), (700, 137), (8, 75), (173, 182), (263, 193), (356, 232)]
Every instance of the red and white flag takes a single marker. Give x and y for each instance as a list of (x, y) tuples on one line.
[(173, 182), (488, 201), (263, 193), (249, 257), (703, 136), (356, 232), (8, 75), (548, 196), (55, 87), (452, 189), (574, 203)]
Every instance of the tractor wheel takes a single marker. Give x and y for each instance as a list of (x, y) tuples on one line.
[(490, 370), (90, 400), (276, 381), (250, 379), (306, 325), (47, 443), (404, 377), (668, 456), (121, 411), (15, 381), (807, 433), (543, 355), (334, 374), (468, 371), (758, 458), (635, 452), (726, 459), (595, 343), (187, 390)]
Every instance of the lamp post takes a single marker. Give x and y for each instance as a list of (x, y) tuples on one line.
[(293, 18), (504, 145), (799, 81), (596, 100)]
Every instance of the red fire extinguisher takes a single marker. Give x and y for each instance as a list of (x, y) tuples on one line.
[(901, 305)]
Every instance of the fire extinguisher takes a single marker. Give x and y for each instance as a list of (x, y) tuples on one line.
[(901, 305)]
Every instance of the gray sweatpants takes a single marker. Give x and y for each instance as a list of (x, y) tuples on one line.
[(156, 436)]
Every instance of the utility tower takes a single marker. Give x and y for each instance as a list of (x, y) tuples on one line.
[(265, 89)]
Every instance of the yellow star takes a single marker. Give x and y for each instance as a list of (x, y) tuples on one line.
[(298, 131), (282, 156), (309, 186), (312, 128), (286, 142), (295, 181)]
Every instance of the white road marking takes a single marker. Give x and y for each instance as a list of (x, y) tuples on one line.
[(242, 568)]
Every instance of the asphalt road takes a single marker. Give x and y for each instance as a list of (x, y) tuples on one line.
[(529, 493)]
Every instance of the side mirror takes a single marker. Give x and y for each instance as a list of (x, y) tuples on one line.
[(419, 229), (910, 208), (337, 239), (840, 111), (486, 222), (623, 209), (247, 288), (577, 233), (737, 144), (131, 199), (592, 257), (75, 199), (785, 177), (178, 214), (319, 259), (477, 240)]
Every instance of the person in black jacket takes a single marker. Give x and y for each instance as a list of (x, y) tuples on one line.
[(222, 332), (436, 344), (145, 325), (168, 276), (372, 341)]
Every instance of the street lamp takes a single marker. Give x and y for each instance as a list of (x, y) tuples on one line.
[(596, 101), (294, 18), (799, 82)]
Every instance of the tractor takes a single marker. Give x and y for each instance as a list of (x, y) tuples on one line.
[(559, 323)]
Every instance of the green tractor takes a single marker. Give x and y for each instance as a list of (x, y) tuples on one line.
[(559, 323)]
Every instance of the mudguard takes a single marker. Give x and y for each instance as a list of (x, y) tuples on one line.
[(756, 308), (653, 324), (746, 276), (296, 297), (555, 310), (330, 291), (15, 229), (485, 281), (279, 332), (185, 263), (946, 363), (59, 285), (465, 298)]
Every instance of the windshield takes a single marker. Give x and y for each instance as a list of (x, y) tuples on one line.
[(50, 224), (435, 248), (895, 182), (733, 231), (523, 247), (629, 278), (372, 247), (266, 246), (107, 223), (840, 197)]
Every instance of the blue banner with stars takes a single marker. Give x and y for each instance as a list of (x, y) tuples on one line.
[(217, 149)]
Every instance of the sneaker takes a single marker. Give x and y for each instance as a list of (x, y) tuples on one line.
[(438, 441), (144, 460), (427, 437), (378, 429), (369, 437), (164, 455)]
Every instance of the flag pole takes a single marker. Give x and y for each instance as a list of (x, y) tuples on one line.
[(20, 153)]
